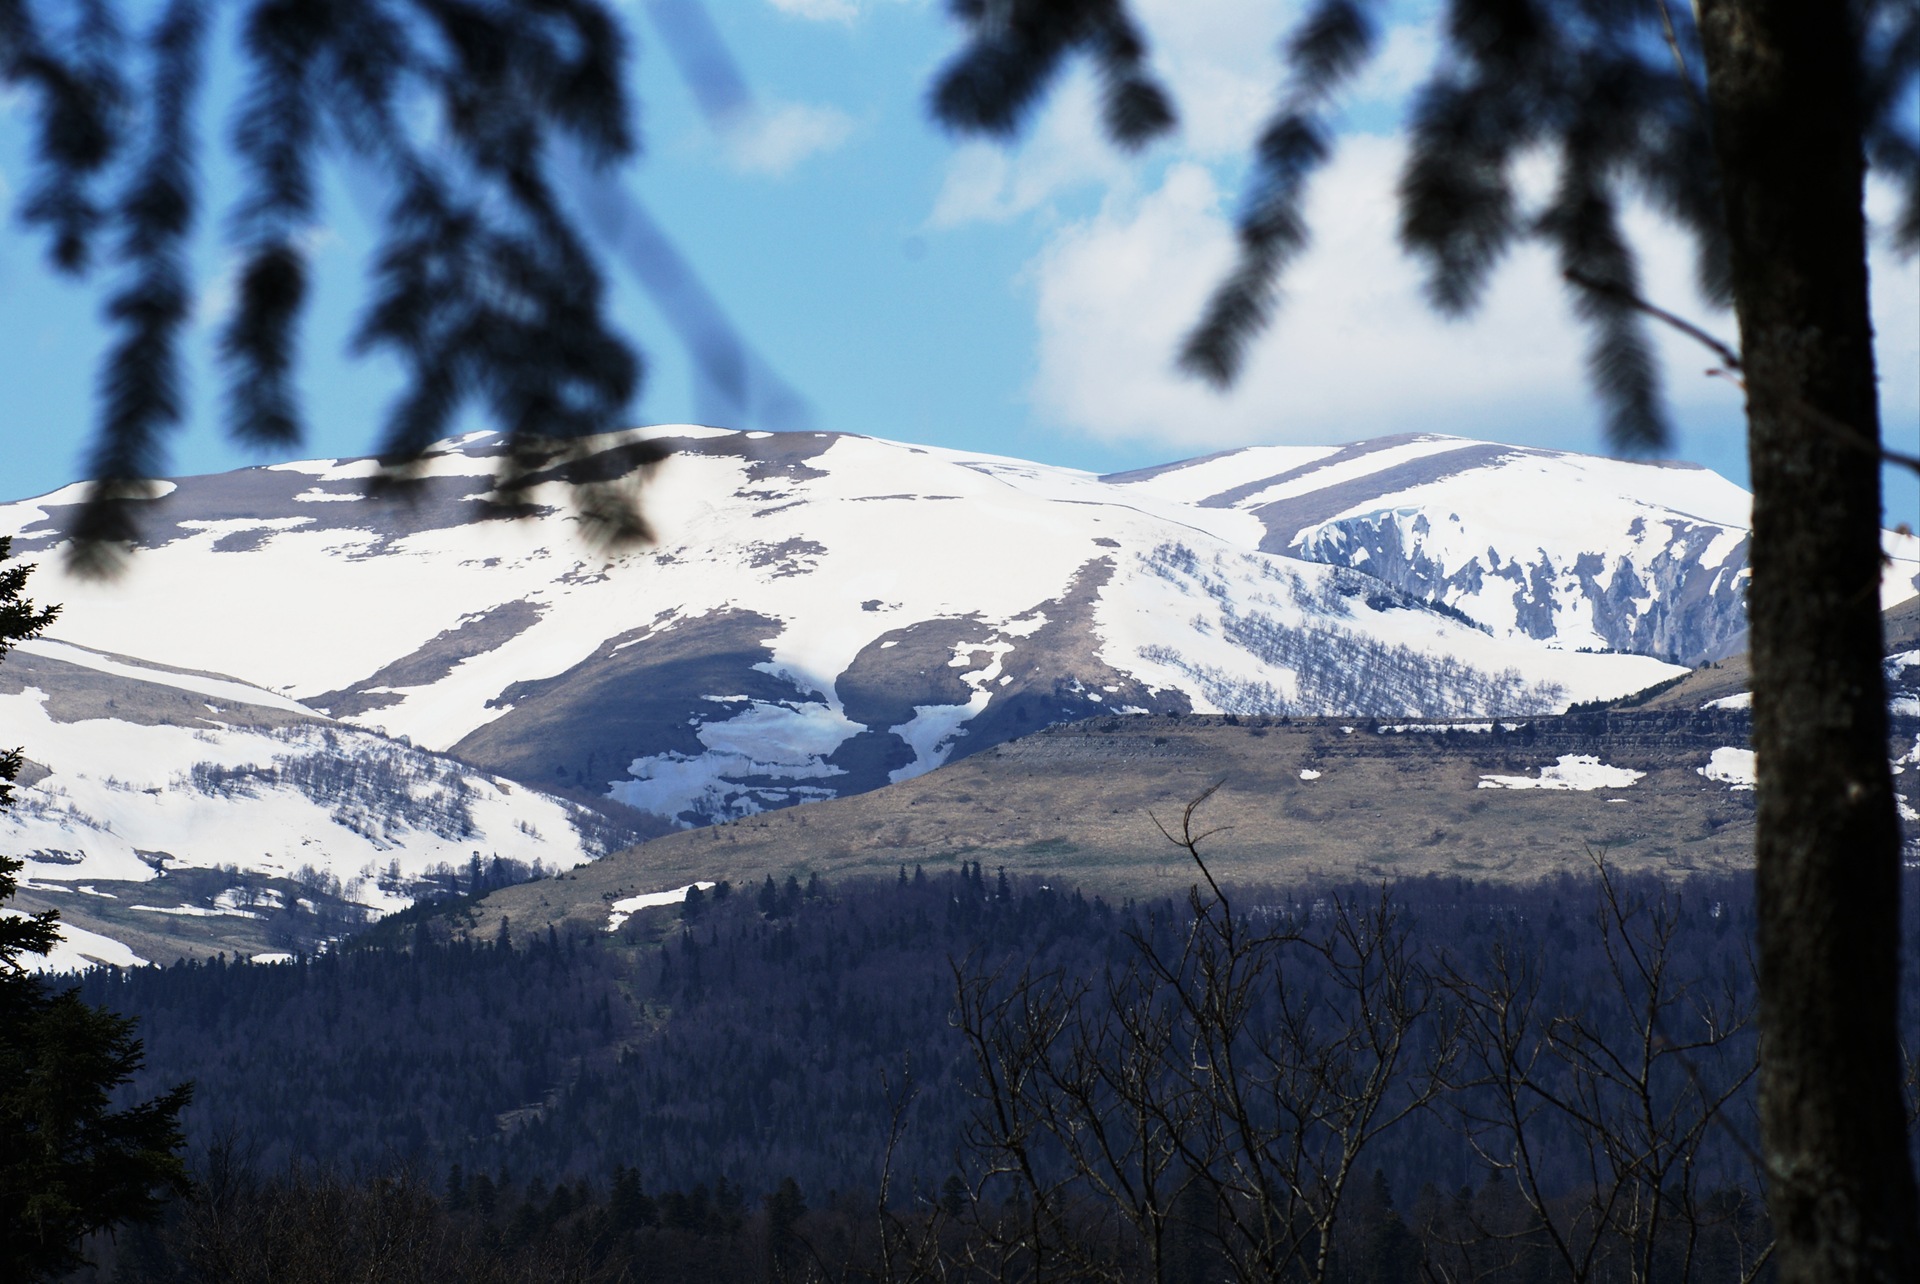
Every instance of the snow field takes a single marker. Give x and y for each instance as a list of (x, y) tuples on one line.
[(77, 950), (118, 790)]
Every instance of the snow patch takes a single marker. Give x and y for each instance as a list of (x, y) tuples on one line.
[(77, 950), (622, 910), (1730, 766), (196, 911), (200, 684), (1574, 771), (751, 762)]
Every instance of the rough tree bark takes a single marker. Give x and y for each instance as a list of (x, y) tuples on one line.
[(1783, 81)]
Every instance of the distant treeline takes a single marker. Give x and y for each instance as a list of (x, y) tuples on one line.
[(1342, 1083)]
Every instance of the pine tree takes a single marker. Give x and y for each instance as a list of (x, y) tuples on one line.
[(70, 1165), (785, 1207)]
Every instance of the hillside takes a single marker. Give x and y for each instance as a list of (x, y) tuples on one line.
[(1305, 799), (168, 813), (1729, 680), (826, 613)]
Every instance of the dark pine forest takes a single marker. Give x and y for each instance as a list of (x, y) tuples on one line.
[(899, 1079)]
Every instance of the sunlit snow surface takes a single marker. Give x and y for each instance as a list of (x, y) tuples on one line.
[(621, 910), (77, 950), (1730, 766), (1588, 552), (1905, 696), (1220, 583), (124, 799), (1575, 771)]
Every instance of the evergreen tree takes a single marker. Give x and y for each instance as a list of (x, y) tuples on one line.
[(785, 1207), (70, 1165), (19, 620), (629, 1207)]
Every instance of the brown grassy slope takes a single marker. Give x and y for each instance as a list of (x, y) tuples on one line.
[(1077, 804)]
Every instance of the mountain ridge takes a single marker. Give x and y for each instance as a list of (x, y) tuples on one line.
[(826, 615)]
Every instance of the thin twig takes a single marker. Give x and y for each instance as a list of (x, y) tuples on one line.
[(1729, 357), (1680, 61), (1733, 371)]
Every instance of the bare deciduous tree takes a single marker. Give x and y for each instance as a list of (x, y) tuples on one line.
[(1645, 1078), (1218, 1087)]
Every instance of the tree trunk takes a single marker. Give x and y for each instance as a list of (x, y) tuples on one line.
[(1783, 79)]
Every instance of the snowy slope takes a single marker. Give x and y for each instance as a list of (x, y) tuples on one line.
[(1543, 544), (136, 775), (823, 613)]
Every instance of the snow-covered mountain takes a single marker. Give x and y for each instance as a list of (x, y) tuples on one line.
[(1571, 549), (825, 613), (208, 772), (295, 680)]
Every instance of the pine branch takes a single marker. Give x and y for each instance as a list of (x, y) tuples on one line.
[(1018, 47), (1332, 42), (139, 394), (80, 97), (1621, 366), (275, 137)]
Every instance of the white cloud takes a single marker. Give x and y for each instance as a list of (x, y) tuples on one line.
[(989, 182), (1220, 64), (1400, 64), (773, 139), (819, 10), (1355, 350)]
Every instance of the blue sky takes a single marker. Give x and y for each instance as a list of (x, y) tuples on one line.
[(1026, 301)]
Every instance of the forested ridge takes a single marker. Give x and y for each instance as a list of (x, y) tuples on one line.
[(725, 1041), (622, 1104)]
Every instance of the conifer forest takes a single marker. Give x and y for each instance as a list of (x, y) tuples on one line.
[(965, 1076)]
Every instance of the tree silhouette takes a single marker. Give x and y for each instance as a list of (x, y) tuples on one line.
[(71, 1165), (1751, 123), (469, 117)]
